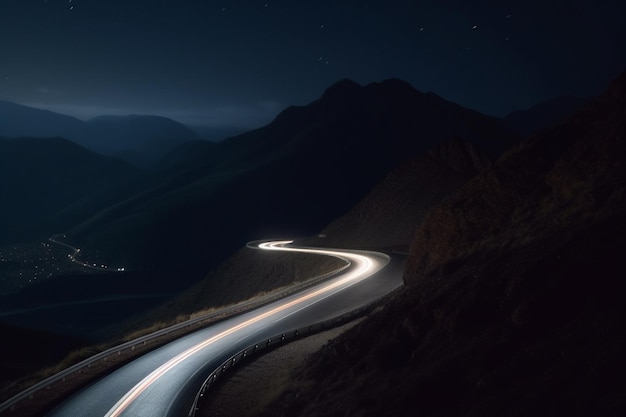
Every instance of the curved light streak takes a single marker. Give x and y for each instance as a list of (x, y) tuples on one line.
[(364, 266)]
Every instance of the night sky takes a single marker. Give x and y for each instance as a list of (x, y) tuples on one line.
[(239, 62)]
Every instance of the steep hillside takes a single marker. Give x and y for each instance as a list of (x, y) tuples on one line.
[(514, 300), (290, 177), (246, 274), (43, 178), (570, 175), (389, 215)]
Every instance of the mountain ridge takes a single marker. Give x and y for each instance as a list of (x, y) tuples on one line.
[(513, 301), (139, 139), (333, 153)]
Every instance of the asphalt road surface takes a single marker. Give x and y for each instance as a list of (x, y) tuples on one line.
[(164, 382)]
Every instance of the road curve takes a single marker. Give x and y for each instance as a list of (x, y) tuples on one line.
[(164, 382)]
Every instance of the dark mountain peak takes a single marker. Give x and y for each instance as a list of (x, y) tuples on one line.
[(348, 90), (349, 99), (391, 84), (341, 95), (405, 116), (341, 89), (344, 84)]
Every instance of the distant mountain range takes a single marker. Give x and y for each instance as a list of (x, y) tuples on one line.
[(141, 140)]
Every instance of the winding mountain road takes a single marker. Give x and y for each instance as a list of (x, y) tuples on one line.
[(164, 382)]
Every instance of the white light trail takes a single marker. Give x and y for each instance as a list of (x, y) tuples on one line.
[(364, 266)]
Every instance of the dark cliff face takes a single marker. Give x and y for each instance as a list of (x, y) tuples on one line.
[(514, 299), (572, 174)]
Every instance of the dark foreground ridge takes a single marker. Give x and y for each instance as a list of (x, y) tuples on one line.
[(514, 301)]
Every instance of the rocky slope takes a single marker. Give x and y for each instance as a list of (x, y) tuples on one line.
[(513, 304), (389, 215), (570, 175)]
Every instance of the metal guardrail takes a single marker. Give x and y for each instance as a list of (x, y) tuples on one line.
[(212, 317), (266, 345)]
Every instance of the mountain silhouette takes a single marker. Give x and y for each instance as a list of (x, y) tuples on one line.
[(140, 140), (22, 121), (514, 293), (307, 167)]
